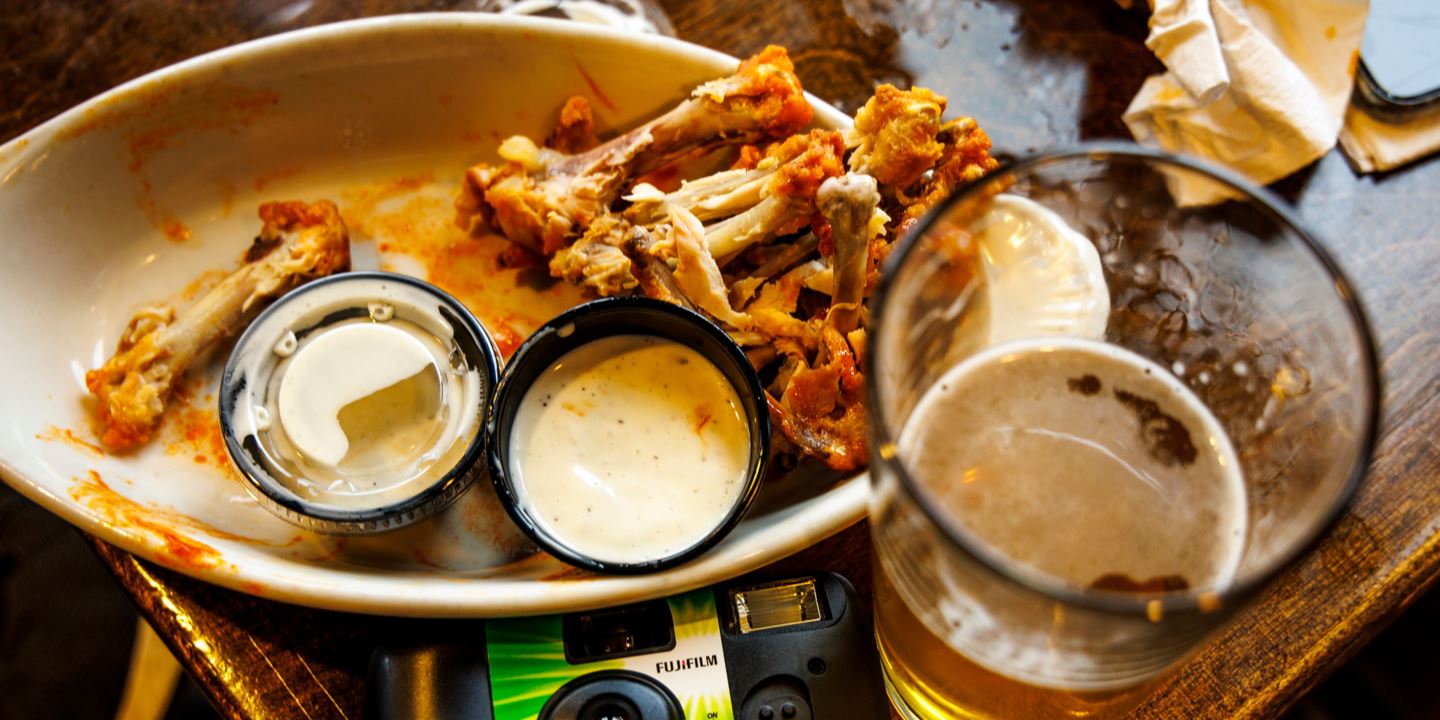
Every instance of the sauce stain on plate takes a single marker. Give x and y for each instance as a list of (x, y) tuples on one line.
[(410, 220), (193, 430), (570, 573), (175, 551), (424, 559), (276, 174), (361, 204), (156, 123), (122, 108), (168, 529), (53, 433)]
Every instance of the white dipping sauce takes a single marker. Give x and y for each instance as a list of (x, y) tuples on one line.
[(344, 365), (629, 449), (366, 413)]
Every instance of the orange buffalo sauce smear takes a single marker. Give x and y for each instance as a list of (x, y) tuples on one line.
[(115, 509)]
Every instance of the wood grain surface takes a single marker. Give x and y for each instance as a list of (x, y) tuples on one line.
[(1036, 74)]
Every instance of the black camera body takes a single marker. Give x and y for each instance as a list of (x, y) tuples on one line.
[(793, 649)]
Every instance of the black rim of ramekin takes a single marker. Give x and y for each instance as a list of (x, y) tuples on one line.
[(329, 519), (512, 389)]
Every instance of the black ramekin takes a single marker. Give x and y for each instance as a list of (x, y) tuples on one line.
[(625, 316), (359, 289)]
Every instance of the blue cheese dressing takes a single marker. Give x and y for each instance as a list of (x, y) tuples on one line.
[(629, 449)]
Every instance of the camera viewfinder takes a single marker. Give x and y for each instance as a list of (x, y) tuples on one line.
[(618, 632)]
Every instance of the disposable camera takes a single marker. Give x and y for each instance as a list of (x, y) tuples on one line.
[(789, 650)]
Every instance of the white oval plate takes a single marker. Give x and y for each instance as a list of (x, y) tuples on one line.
[(130, 197)]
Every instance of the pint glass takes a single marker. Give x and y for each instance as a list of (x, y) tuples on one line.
[(1028, 565)]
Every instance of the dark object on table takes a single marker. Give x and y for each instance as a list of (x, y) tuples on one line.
[(65, 629), (1399, 78), (798, 649)]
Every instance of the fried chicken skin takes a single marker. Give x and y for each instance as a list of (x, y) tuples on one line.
[(598, 261), (298, 242), (822, 410), (965, 156), (894, 135)]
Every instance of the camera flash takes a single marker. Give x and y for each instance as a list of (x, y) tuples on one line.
[(773, 605)]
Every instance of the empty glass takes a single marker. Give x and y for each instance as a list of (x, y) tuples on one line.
[(1012, 537)]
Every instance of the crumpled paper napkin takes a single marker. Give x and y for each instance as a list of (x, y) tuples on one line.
[(1375, 145), (1258, 85)]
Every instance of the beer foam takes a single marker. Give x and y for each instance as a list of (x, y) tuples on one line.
[(1122, 470), (1078, 464)]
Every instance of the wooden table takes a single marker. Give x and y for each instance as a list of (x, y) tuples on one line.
[(1036, 74)]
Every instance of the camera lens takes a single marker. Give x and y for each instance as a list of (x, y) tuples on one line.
[(612, 695), (610, 708)]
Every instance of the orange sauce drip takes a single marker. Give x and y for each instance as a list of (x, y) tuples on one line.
[(283, 172), (66, 435), (423, 559), (595, 89), (194, 430), (176, 231), (116, 509)]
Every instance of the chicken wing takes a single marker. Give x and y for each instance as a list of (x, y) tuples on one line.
[(575, 132), (698, 278), (822, 410), (544, 198), (298, 242), (598, 260), (965, 157), (822, 407), (781, 249)]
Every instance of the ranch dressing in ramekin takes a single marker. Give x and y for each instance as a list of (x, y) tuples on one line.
[(630, 449)]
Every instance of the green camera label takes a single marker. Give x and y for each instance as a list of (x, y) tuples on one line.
[(528, 665)]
